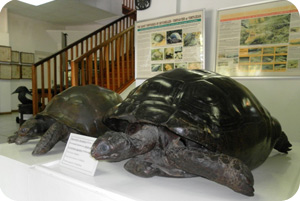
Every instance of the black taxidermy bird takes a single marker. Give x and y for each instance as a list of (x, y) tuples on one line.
[(24, 96)]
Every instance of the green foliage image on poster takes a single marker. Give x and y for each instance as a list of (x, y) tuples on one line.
[(265, 30)]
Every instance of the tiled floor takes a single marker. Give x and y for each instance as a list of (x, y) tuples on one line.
[(8, 125)]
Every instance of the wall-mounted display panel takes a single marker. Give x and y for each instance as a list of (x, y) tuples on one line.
[(259, 40), (175, 41), (15, 71), (5, 71), (26, 72), (15, 57), (27, 58), (5, 54)]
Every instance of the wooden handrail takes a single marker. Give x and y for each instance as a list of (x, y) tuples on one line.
[(51, 75)]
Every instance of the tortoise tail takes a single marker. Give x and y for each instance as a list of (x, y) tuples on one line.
[(283, 145)]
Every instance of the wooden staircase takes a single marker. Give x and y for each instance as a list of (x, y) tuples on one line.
[(104, 57), (110, 64)]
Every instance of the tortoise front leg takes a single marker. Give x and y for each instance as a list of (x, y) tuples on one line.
[(218, 167), (54, 134), (154, 163)]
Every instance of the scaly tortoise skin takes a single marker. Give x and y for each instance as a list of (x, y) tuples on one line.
[(78, 109), (184, 123)]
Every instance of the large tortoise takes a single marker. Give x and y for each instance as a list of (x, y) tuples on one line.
[(185, 123), (78, 109)]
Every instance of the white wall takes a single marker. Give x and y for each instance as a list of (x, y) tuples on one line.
[(113, 6), (4, 40), (280, 96), (4, 37), (28, 35), (24, 35)]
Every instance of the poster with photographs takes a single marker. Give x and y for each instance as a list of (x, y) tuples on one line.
[(169, 42), (259, 40)]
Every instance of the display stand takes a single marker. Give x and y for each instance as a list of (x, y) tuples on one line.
[(28, 178)]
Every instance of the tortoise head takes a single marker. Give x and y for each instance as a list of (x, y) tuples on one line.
[(29, 127), (116, 146), (27, 131), (112, 146)]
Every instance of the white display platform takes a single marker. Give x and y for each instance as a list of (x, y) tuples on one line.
[(27, 178)]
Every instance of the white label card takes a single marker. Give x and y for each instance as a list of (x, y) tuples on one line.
[(77, 154)]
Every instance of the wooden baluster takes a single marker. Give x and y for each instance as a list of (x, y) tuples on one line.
[(119, 27), (43, 86), (55, 76), (49, 81), (118, 61), (86, 45), (95, 68), (102, 62), (82, 73), (132, 54), (74, 71), (76, 50), (90, 68), (67, 69), (127, 54), (61, 73), (35, 101), (107, 66), (82, 47), (91, 42), (69, 64), (123, 59), (96, 40), (101, 36), (72, 54), (112, 55)]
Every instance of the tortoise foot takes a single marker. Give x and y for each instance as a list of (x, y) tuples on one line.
[(12, 138), (140, 168), (220, 168)]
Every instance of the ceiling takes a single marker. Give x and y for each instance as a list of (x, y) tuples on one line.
[(62, 12)]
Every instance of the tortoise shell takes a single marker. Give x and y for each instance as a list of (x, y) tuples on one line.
[(82, 108), (204, 107)]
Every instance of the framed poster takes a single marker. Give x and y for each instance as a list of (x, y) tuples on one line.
[(15, 71), (5, 71), (165, 43), (27, 58), (259, 40), (26, 72), (5, 54), (15, 57)]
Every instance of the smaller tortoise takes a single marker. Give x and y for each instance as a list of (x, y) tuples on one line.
[(185, 123), (78, 109)]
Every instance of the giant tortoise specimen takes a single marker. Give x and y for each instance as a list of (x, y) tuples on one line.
[(184, 123), (78, 109)]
